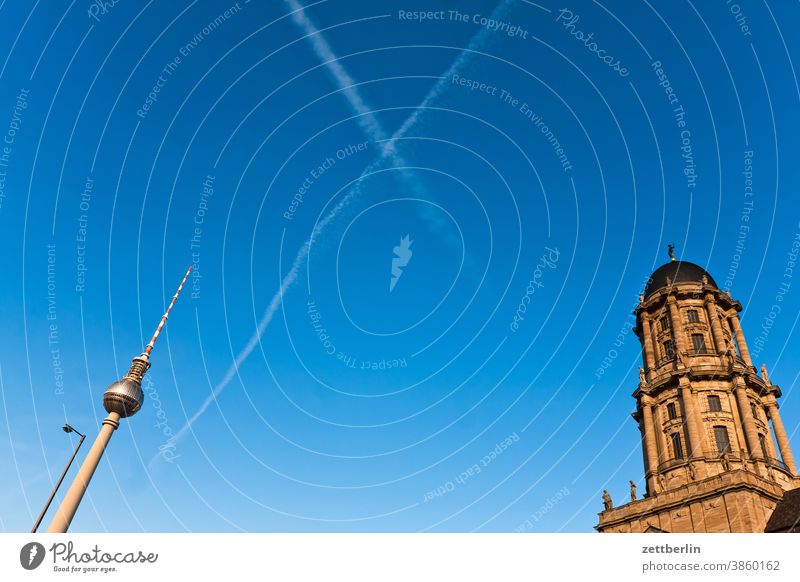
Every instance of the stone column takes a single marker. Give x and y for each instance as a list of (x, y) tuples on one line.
[(649, 481), (741, 439), (649, 441), (693, 422), (678, 335), (780, 435), (713, 319), (737, 330), (773, 453), (647, 344), (654, 338), (747, 417)]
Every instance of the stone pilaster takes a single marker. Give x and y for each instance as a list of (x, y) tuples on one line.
[(693, 421), (647, 343), (741, 439), (678, 333), (746, 414), (649, 441)]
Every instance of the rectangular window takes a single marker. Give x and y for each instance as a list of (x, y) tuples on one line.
[(677, 447), (669, 350), (714, 404), (763, 441), (722, 440), (671, 411), (693, 316), (699, 343), (664, 321)]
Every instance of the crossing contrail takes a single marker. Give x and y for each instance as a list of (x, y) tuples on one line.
[(372, 127)]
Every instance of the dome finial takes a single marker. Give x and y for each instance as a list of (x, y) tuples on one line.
[(671, 252)]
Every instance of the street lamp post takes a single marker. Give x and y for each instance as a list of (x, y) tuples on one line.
[(66, 428)]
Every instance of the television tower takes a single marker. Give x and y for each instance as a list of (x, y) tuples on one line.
[(121, 400)]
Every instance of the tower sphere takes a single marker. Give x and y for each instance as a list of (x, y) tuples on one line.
[(123, 397)]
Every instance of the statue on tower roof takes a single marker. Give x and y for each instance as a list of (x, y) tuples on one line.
[(764, 375), (671, 252), (607, 503)]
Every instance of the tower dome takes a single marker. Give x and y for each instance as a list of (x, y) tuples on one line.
[(677, 272)]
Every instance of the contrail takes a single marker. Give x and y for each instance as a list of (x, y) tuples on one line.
[(367, 120), (371, 125), (287, 282)]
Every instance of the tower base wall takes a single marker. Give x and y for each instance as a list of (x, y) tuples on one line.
[(735, 501)]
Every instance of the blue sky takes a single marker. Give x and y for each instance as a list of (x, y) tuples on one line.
[(535, 154)]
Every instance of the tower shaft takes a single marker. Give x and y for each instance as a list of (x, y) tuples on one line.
[(72, 499)]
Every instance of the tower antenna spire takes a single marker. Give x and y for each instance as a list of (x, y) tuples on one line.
[(152, 343)]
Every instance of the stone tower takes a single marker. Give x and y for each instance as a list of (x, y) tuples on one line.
[(706, 416)]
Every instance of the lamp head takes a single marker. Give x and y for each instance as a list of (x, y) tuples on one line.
[(67, 428)]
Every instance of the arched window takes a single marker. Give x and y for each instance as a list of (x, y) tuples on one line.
[(763, 442), (669, 349), (699, 343), (714, 403), (722, 440), (677, 447)]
